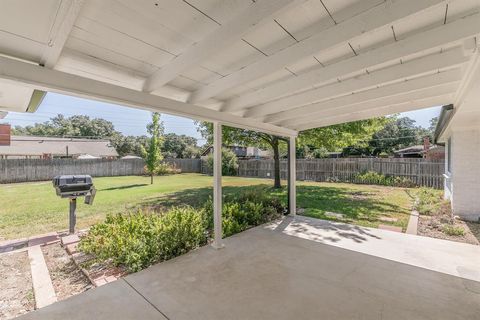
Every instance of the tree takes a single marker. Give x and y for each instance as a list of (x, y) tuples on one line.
[(180, 146), (74, 126), (152, 154), (229, 162), (129, 145), (339, 136), (84, 126), (398, 133), (331, 138), (242, 137)]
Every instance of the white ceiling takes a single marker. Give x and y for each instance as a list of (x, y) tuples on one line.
[(294, 64)]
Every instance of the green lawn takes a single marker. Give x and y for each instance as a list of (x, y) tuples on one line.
[(33, 208)]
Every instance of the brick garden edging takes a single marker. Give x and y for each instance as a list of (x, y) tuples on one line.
[(24, 243), (98, 275)]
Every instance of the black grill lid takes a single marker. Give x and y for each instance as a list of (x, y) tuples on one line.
[(72, 180)]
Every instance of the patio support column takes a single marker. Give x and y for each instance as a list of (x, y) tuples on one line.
[(217, 185), (292, 178)]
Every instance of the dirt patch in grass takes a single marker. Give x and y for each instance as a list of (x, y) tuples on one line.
[(66, 277), (442, 226), (16, 291)]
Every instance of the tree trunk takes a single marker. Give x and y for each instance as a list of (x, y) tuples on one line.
[(151, 178), (276, 158)]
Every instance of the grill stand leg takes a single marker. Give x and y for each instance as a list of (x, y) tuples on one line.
[(73, 215)]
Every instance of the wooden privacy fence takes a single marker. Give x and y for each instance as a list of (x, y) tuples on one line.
[(422, 172), (428, 173), (24, 170), (186, 165)]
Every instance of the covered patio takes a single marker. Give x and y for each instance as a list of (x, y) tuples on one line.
[(297, 268), (279, 67)]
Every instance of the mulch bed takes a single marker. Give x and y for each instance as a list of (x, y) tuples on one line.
[(68, 280), (16, 293), (432, 226)]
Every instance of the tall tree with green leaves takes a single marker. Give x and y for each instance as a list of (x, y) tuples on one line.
[(152, 154), (331, 138)]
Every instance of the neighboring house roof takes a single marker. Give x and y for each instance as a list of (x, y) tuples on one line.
[(87, 156), (418, 149), (241, 151), (410, 150), (38, 146)]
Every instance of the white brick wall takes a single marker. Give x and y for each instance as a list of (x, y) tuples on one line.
[(465, 176)]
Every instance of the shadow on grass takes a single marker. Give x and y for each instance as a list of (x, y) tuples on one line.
[(196, 197), (125, 187), (316, 200), (354, 204)]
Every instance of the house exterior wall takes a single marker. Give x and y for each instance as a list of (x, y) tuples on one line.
[(462, 184)]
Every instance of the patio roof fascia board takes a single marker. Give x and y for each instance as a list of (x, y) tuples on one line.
[(225, 35), (45, 79), (447, 59), (383, 14), (436, 37)]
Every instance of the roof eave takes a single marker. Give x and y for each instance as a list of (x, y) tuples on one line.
[(444, 119)]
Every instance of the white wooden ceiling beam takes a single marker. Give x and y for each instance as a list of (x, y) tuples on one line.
[(45, 79), (68, 13), (383, 14), (437, 37), (295, 116), (226, 35), (430, 63), (418, 95), (379, 112)]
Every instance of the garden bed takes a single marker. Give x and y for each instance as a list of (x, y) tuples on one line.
[(437, 221), (67, 279), (16, 293)]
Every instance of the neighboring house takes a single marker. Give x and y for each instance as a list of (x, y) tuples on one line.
[(410, 152), (427, 151), (30, 147), (243, 152)]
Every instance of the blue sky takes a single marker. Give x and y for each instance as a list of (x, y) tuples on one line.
[(131, 121)]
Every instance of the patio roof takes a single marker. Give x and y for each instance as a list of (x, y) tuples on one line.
[(278, 66)]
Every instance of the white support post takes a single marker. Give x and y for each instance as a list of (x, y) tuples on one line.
[(293, 178), (217, 186)]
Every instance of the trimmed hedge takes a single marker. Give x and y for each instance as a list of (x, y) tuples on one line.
[(140, 239)]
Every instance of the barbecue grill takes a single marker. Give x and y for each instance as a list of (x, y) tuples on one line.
[(71, 187)]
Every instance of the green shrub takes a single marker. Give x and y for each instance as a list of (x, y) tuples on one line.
[(139, 239), (453, 230), (429, 201), (167, 168), (242, 211), (373, 177), (136, 240), (229, 163)]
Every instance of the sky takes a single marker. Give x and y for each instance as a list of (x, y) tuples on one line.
[(131, 121)]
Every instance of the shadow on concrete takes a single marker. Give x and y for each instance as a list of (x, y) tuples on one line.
[(324, 231)]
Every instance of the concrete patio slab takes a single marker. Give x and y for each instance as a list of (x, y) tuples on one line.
[(454, 258), (114, 301), (295, 269)]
